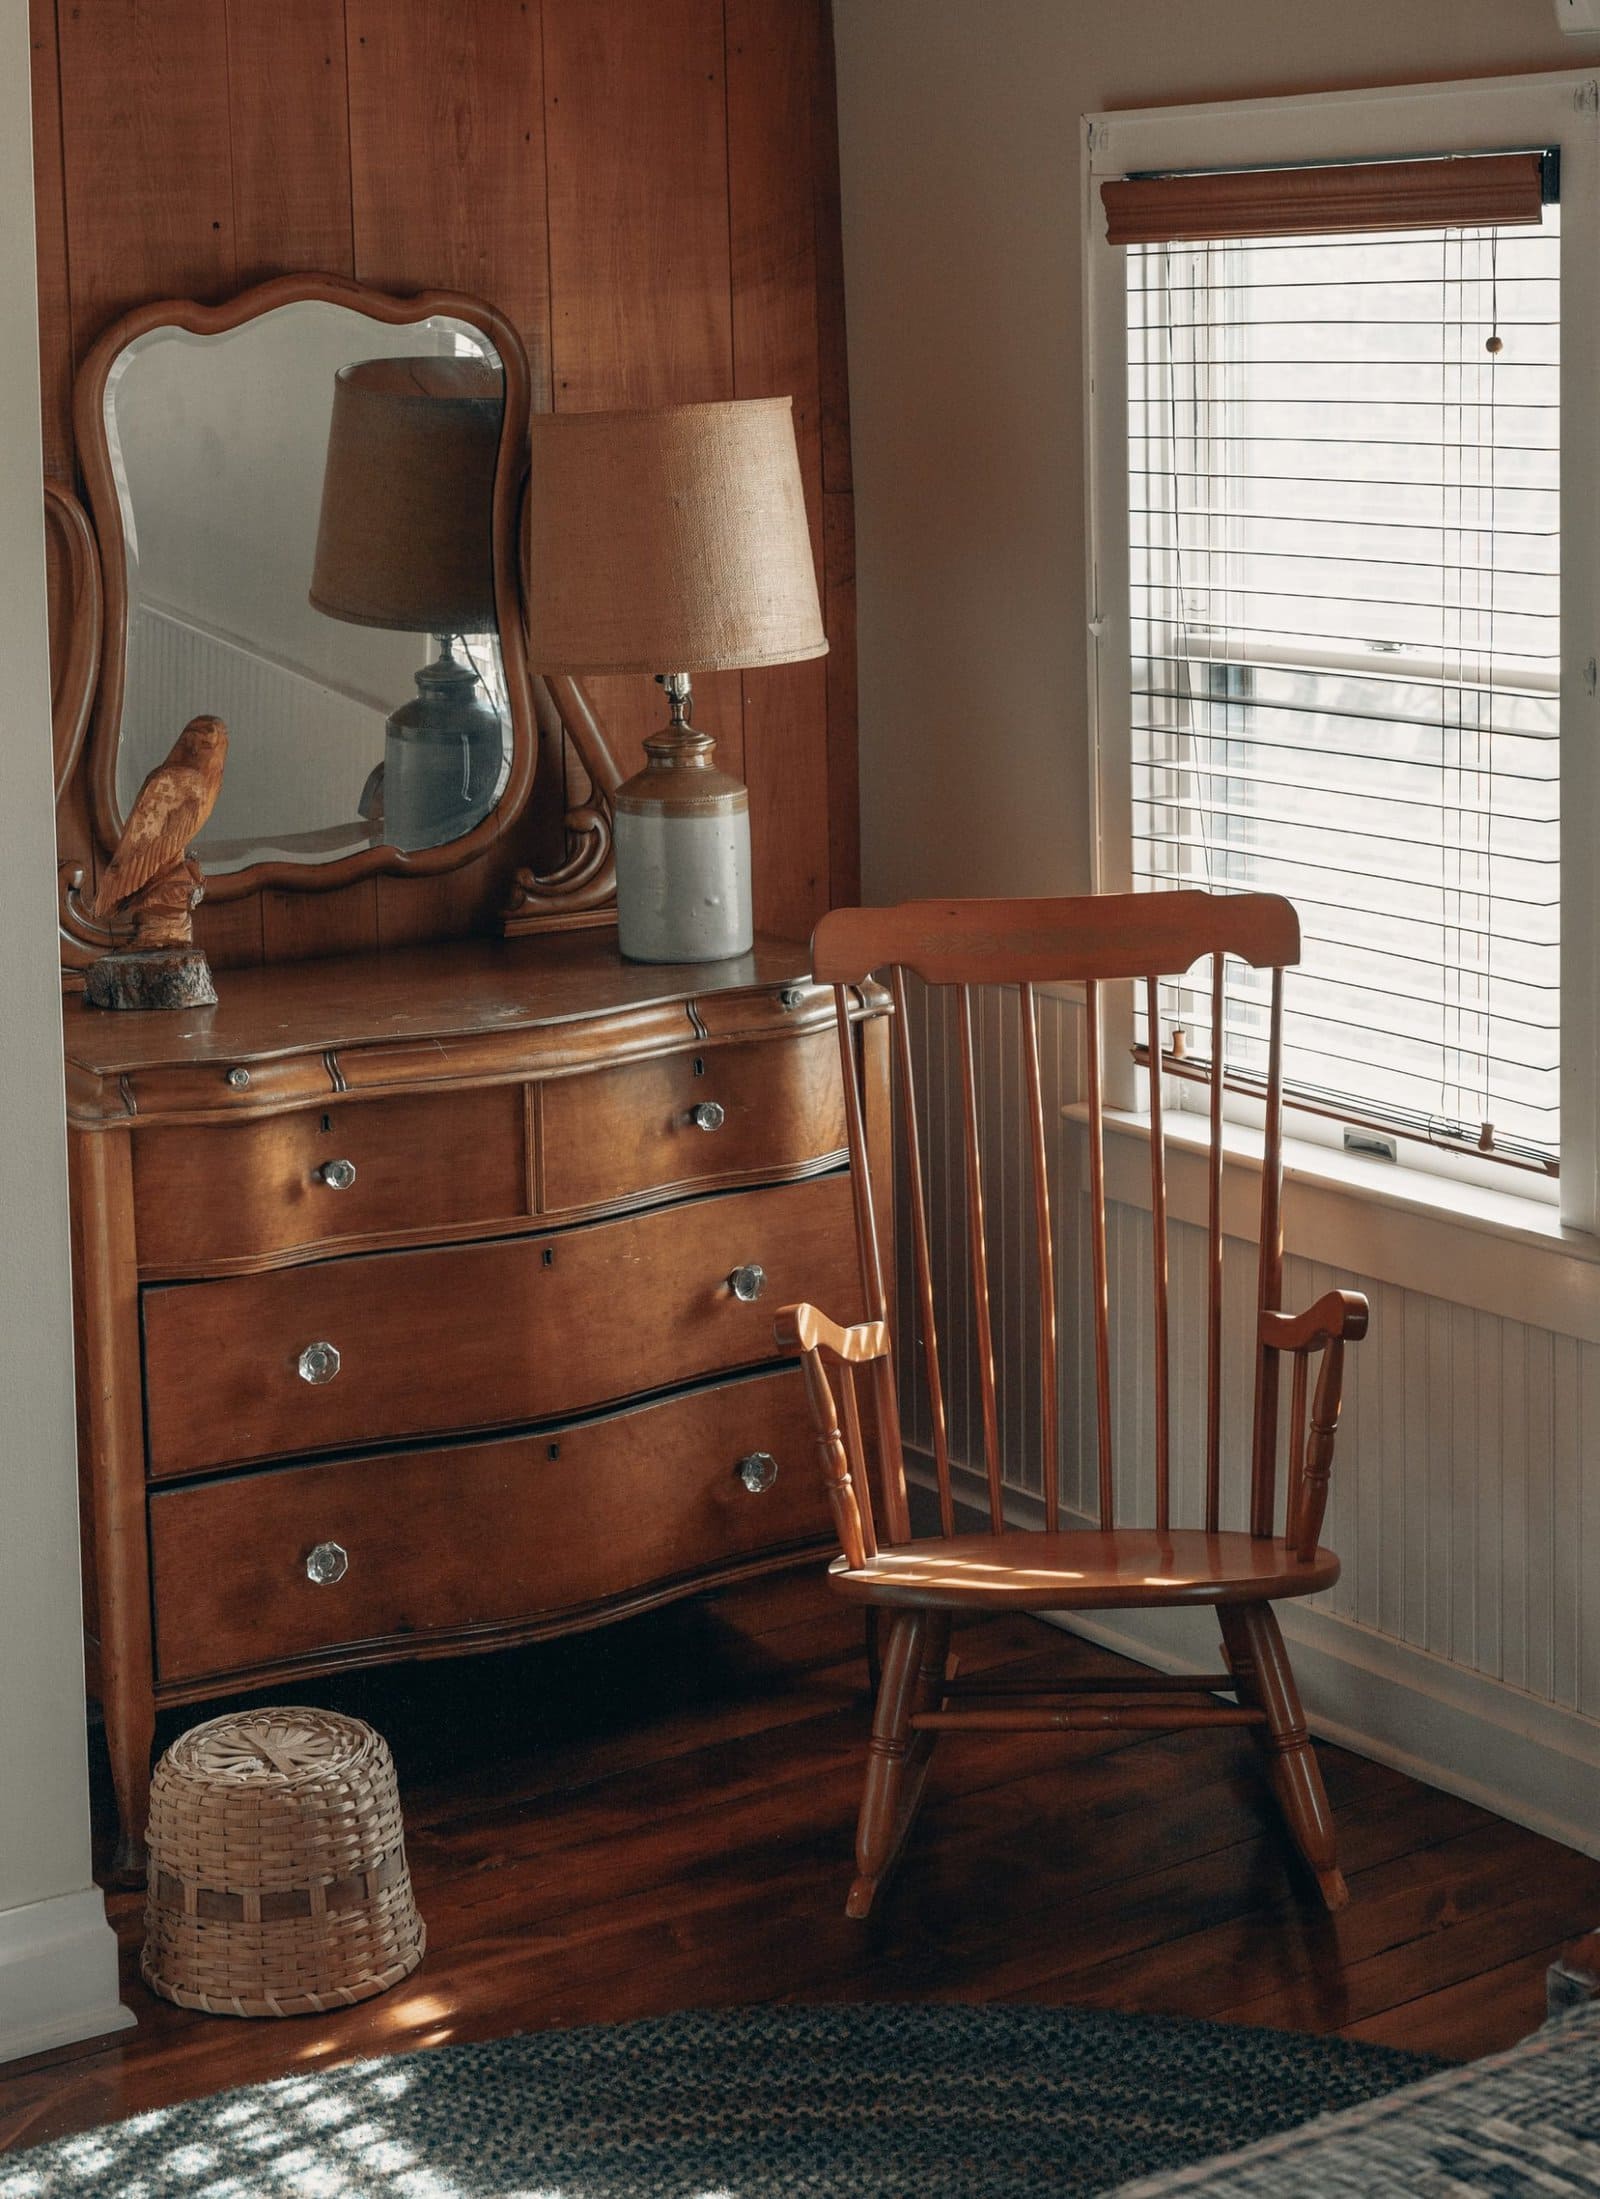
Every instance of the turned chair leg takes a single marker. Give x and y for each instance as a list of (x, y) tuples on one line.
[(897, 1758), (1260, 1666)]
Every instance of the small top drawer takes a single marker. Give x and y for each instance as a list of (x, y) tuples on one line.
[(731, 1113), (235, 1196)]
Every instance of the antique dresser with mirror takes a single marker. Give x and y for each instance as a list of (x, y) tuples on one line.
[(424, 1296)]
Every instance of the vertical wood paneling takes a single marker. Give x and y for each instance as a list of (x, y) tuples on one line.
[(838, 521), (50, 222), (291, 193), (1416, 1421), (1440, 1467), (844, 777), (1566, 1511), (1388, 1331), (448, 158), (291, 147), (1463, 1492), (147, 156), (639, 236), (1586, 1437), (448, 192), (1537, 1479), (186, 147), (1489, 1603), (1512, 1499), (148, 175), (772, 65), (640, 274)]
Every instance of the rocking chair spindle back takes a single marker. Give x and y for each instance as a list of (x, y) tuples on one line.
[(1096, 942)]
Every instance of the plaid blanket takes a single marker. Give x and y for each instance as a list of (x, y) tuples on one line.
[(1520, 2125)]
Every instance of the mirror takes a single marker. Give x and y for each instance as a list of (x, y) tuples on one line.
[(305, 502)]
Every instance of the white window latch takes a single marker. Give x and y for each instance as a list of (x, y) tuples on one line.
[(1579, 18)]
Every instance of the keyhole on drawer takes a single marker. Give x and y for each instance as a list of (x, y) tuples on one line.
[(327, 1122), (549, 1256), (699, 1066), (554, 1451)]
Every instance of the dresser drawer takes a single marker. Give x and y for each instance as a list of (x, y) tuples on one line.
[(406, 1344), (724, 1114), (230, 1195), (489, 1535)]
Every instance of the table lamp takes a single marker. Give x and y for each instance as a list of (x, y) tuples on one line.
[(670, 542), (406, 541)]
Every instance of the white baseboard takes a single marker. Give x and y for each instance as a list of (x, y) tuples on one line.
[(1533, 1762), (1527, 1760), (58, 1975)]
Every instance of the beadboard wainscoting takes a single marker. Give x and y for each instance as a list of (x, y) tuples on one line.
[(1458, 1643)]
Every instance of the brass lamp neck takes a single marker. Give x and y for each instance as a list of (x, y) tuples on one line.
[(680, 745)]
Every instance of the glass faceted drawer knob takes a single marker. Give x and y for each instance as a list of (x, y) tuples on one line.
[(758, 1471), (337, 1175), (748, 1283), (709, 1115), (318, 1363), (327, 1563)]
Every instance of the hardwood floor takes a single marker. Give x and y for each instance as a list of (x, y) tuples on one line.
[(659, 1815)]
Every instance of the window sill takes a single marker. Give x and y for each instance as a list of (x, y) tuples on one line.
[(1486, 1249)]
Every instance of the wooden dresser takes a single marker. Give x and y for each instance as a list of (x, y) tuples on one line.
[(425, 1304)]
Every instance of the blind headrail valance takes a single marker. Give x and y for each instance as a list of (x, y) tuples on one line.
[(1466, 191)]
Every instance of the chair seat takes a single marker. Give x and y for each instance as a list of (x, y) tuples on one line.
[(1084, 1569)]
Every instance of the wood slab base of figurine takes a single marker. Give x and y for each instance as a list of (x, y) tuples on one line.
[(154, 885)]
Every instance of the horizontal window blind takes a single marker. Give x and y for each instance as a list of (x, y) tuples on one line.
[(1365, 196), (1344, 536)]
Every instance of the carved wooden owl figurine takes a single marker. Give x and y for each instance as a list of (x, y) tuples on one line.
[(152, 875)]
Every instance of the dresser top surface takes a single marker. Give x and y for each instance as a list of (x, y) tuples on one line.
[(461, 989)]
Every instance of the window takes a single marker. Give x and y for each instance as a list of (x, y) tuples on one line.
[(1331, 389)]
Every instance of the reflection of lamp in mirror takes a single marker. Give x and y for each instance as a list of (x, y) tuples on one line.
[(406, 542), (669, 542)]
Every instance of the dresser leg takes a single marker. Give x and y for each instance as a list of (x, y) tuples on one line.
[(111, 1459), (130, 1737)]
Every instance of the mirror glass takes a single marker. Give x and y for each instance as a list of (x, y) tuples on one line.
[(307, 512)]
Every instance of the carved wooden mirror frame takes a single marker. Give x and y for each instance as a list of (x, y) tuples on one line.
[(77, 625), (94, 456)]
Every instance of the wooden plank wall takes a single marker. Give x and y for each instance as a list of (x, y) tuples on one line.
[(648, 188)]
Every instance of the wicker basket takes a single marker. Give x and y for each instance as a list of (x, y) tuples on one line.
[(278, 1881)]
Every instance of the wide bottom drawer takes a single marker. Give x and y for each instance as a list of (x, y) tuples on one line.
[(306, 1559)]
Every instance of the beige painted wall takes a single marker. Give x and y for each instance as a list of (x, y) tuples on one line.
[(44, 1823), (959, 124)]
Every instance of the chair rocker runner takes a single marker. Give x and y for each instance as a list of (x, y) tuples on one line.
[(922, 1583)]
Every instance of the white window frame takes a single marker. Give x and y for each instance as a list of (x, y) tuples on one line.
[(1491, 115)]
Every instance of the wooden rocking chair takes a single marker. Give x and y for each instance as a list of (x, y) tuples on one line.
[(923, 1583)]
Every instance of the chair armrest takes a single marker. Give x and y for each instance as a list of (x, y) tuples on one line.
[(803, 1328), (1339, 1315)]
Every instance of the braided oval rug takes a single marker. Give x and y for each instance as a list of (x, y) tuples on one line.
[(902, 2101)]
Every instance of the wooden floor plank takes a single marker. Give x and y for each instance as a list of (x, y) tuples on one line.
[(661, 1814), (1452, 2021)]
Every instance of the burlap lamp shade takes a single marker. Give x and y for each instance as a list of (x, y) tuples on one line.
[(406, 540), (671, 542)]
